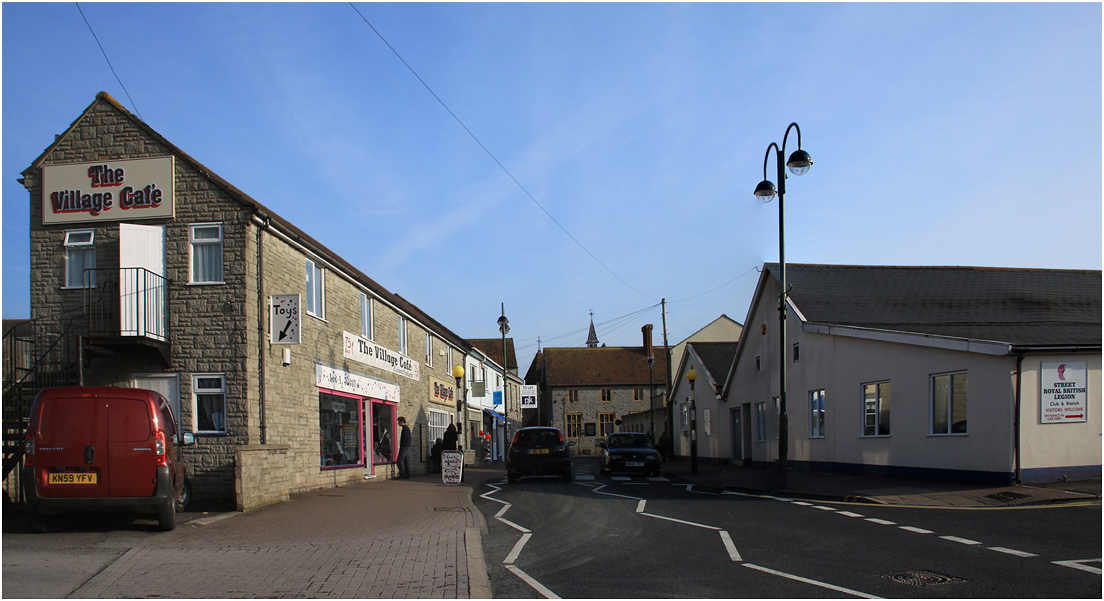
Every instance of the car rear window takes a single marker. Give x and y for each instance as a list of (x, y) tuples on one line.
[(128, 420), (630, 440), (538, 437), (70, 419)]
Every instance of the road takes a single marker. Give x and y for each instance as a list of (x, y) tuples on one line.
[(637, 537)]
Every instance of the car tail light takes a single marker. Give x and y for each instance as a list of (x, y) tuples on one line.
[(29, 448), (517, 435), (162, 458), (560, 432)]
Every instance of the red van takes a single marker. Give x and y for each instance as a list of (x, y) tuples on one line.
[(105, 449)]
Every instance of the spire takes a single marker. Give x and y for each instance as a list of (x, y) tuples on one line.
[(592, 338)]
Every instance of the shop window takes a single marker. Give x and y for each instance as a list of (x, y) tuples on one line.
[(607, 395), (366, 329), (80, 254), (383, 423), (402, 336), (876, 405), (948, 404), (206, 248), (209, 403), (574, 425), (316, 291), (605, 420), (438, 423), (816, 414), (339, 422)]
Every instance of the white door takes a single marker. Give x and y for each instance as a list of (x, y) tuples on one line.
[(169, 387), (142, 292)]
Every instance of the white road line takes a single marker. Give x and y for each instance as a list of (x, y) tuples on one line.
[(502, 512), (850, 515), (640, 506), (813, 582), (955, 539), (584, 477), (703, 492), (617, 495), (652, 515), (823, 508), (1079, 565), (513, 525), (658, 479), (540, 588), (916, 530), (688, 486), (1012, 552), (512, 557), (882, 522), (620, 478), (802, 503), (732, 552), (636, 483)]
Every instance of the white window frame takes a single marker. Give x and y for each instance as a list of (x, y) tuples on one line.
[(402, 337), (193, 241), (88, 246), (450, 363), (950, 403), (367, 321), (429, 349), (438, 423), (197, 391), (877, 409), (315, 300), (759, 419), (816, 413)]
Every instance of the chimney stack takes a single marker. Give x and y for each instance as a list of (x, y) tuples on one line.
[(647, 330)]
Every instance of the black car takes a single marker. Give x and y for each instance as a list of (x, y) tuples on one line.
[(538, 451), (629, 452)]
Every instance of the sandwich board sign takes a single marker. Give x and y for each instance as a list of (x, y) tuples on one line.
[(284, 319), (452, 467)]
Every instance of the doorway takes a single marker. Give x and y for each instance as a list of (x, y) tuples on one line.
[(169, 387)]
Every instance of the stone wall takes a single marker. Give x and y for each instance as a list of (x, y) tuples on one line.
[(261, 476)]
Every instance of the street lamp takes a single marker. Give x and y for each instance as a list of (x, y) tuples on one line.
[(504, 327), (458, 373), (799, 164), (693, 375)]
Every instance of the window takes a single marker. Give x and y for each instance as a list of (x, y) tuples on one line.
[(777, 416), (366, 321), (607, 395), (206, 248), (797, 354), (605, 421), (638, 394), (316, 291), (574, 425), (760, 422), (948, 404), (339, 421), (450, 363), (438, 423), (429, 349), (209, 403), (80, 254), (876, 405), (402, 337), (816, 414), (573, 396), (684, 416)]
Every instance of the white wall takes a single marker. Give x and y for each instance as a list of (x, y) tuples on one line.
[(1051, 451)]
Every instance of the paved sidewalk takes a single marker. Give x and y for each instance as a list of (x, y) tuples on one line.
[(884, 490), (392, 539)]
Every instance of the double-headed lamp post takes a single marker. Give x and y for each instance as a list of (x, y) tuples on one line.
[(693, 375), (504, 327), (799, 164)]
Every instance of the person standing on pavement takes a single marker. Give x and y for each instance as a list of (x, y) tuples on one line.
[(450, 438), (404, 449)]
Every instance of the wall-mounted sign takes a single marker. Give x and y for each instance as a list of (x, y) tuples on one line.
[(1064, 393), (528, 396), (284, 319), (332, 378), (442, 392), (108, 191), (497, 396), (367, 352)]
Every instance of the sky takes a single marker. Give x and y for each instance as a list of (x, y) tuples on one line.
[(941, 134)]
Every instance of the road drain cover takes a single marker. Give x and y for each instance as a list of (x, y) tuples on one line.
[(1006, 496), (449, 509), (920, 578)]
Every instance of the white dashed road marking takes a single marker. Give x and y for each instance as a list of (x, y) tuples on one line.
[(540, 588), (964, 541), (882, 522), (1079, 565), (1012, 552), (916, 530), (813, 582), (732, 552), (850, 515)]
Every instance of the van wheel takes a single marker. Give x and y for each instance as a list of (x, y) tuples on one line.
[(166, 519), (567, 475), (511, 477), (184, 497)]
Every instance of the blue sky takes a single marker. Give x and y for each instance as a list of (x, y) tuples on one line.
[(941, 134)]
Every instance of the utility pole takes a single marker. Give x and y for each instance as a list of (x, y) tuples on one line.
[(667, 359)]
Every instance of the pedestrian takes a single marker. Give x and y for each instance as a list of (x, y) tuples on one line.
[(435, 452), (449, 443), (404, 449), (664, 446)]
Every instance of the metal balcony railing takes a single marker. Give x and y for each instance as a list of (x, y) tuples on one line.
[(128, 301)]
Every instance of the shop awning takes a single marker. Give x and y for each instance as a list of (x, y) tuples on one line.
[(498, 416)]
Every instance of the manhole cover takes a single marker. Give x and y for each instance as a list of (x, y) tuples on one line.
[(1006, 496), (449, 509), (921, 578)]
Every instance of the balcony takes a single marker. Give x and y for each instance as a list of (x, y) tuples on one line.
[(125, 307)]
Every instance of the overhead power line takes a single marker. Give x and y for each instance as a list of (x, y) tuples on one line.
[(95, 37), (493, 158)]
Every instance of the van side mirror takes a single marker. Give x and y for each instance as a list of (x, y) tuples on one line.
[(189, 439)]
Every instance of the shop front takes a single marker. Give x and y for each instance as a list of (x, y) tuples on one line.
[(357, 421)]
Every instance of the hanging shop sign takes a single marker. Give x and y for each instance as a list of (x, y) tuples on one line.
[(441, 392), (332, 378), (367, 352), (1064, 393), (284, 322), (124, 190)]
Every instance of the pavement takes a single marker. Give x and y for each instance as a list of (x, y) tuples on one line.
[(878, 489)]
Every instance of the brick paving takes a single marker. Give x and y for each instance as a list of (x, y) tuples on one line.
[(390, 539)]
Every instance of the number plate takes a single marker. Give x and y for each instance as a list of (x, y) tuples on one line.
[(538, 451), (634, 464), (73, 478)]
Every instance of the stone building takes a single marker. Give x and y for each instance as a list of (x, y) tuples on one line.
[(586, 391), (289, 364)]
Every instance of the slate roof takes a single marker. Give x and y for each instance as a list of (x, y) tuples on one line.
[(1021, 307), (716, 357), (602, 366), (492, 347)]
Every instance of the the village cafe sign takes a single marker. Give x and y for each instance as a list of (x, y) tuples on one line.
[(367, 352), (108, 191)]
